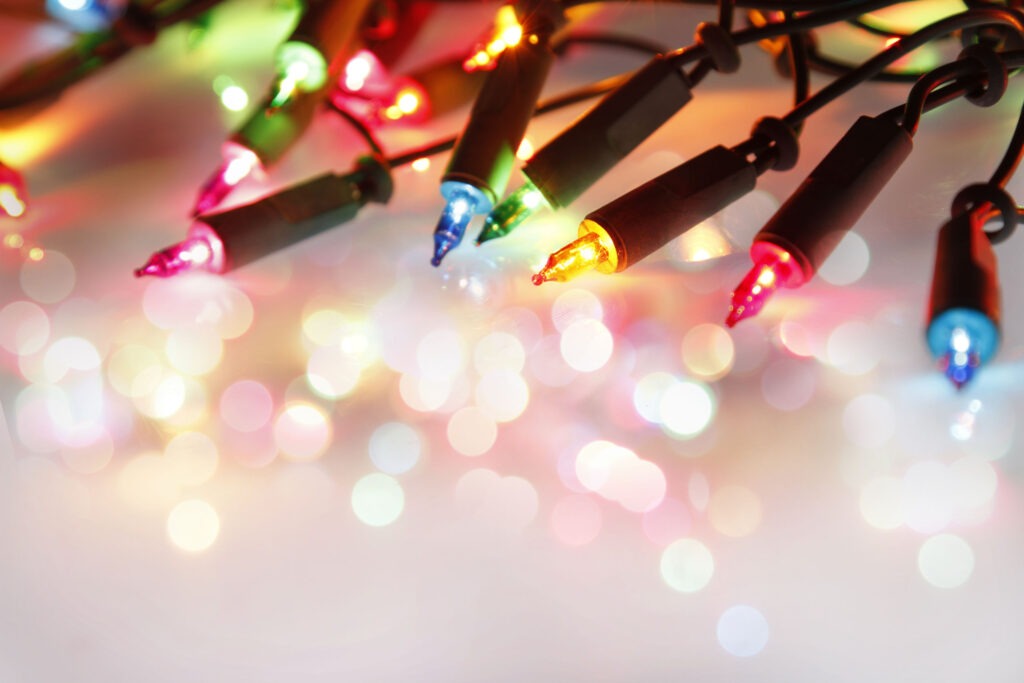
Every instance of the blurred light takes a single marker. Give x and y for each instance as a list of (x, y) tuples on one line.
[(324, 327), (499, 351), (547, 365), (687, 565), (193, 525), (441, 354), (586, 345), (166, 398), (797, 339), (945, 561), (47, 280), (423, 393), (134, 370), (421, 165), (686, 408), (331, 373), (24, 328), (869, 420), (708, 351), (975, 483), (395, 447), (702, 242), (378, 499), (788, 384), (472, 431), (962, 427), (576, 520), (848, 262), (503, 393), (302, 431), (853, 348), (525, 150), (234, 98), (192, 458), (927, 497), (507, 503), (69, 353), (668, 521), (881, 503), (699, 491), (144, 481), (734, 511), (194, 349), (573, 306), (742, 631), (246, 406), (90, 458), (648, 392)]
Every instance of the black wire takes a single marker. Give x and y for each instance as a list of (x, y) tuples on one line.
[(832, 67), (725, 13), (876, 64), (558, 102), (648, 47), (918, 94), (359, 125), (798, 65)]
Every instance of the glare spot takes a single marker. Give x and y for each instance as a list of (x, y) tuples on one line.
[(708, 351), (945, 561), (421, 165), (302, 431), (848, 262), (573, 306), (742, 631), (49, 279), (499, 351), (194, 349), (669, 520), (504, 394), (378, 499), (234, 98), (24, 328), (331, 373), (576, 520), (927, 497), (734, 511), (395, 447), (869, 420), (881, 503), (193, 525), (853, 348), (586, 345), (246, 406), (993, 431), (788, 384), (472, 431), (192, 458), (440, 354), (686, 409), (687, 565), (525, 150)]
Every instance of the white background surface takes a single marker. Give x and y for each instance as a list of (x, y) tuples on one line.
[(823, 485)]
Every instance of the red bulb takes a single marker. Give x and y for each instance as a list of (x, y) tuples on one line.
[(239, 163), (202, 250), (774, 267)]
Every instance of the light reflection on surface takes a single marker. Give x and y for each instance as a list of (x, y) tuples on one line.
[(576, 520)]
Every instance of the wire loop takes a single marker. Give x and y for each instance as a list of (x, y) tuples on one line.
[(977, 195), (721, 47), (783, 138), (995, 74)]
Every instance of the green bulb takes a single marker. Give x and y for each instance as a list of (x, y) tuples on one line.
[(300, 66), (510, 214)]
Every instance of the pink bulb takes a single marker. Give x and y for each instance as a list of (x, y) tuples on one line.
[(774, 267)]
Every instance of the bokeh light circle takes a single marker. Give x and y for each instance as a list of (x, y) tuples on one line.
[(193, 525), (687, 565), (378, 499)]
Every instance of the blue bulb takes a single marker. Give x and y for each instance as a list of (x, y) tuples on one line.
[(963, 339), (463, 201), (86, 15)]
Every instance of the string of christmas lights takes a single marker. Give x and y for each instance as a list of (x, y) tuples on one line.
[(325, 59)]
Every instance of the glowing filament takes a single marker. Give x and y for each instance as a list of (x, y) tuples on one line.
[(11, 202), (773, 268)]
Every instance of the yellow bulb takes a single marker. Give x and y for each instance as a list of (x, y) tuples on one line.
[(592, 250), (407, 101)]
